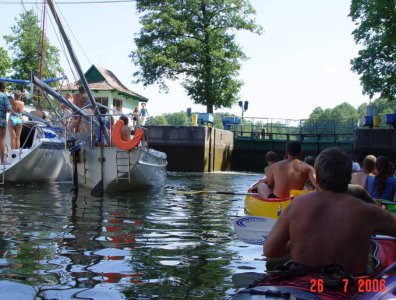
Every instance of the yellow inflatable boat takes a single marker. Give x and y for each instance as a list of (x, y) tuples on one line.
[(270, 208)]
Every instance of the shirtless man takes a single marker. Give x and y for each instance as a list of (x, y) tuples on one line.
[(285, 175), (368, 168), (79, 101), (329, 226), (38, 112), (15, 121), (126, 130)]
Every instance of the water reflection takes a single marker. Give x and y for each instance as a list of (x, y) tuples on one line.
[(145, 245)]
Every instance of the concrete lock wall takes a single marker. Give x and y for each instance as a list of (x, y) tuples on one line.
[(193, 148), (375, 141)]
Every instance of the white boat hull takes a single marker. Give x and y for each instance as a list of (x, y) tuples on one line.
[(145, 168), (41, 164), (43, 161)]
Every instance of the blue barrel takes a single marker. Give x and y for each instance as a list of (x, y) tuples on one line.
[(371, 111)]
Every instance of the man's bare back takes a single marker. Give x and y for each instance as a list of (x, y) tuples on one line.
[(78, 98), (285, 175), (289, 174)]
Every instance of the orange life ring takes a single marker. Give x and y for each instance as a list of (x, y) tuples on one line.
[(123, 145)]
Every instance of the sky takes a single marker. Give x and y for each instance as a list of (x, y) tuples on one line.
[(299, 62)]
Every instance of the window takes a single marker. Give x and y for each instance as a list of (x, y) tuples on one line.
[(102, 100), (117, 105)]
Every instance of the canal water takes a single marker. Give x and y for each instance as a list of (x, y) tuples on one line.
[(154, 244)]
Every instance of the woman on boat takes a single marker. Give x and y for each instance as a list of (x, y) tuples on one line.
[(135, 117), (15, 120), (368, 169), (383, 184)]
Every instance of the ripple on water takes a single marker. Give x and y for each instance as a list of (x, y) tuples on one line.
[(142, 245)]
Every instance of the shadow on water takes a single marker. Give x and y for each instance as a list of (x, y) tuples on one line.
[(152, 244)]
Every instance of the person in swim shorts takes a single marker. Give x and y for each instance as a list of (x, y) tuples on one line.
[(288, 174), (15, 120), (330, 226), (5, 107)]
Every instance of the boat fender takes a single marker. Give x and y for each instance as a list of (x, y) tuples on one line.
[(123, 145)]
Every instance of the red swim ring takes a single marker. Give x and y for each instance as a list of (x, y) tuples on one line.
[(123, 145)]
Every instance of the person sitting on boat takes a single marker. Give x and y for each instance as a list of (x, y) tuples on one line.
[(270, 158), (127, 133), (285, 175), (383, 184), (126, 130), (330, 226), (368, 168), (15, 120), (38, 112)]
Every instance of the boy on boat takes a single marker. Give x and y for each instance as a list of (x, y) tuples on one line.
[(330, 226)]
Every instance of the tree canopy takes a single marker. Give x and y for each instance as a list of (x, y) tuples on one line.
[(24, 44), (193, 41), (376, 32), (5, 62)]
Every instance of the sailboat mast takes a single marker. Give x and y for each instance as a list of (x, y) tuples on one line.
[(77, 65), (42, 41)]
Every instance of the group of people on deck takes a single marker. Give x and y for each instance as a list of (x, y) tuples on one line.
[(79, 99), (331, 224)]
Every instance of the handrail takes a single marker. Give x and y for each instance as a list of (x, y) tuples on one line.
[(30, 132)]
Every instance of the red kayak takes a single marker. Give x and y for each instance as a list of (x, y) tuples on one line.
[(330, 286)]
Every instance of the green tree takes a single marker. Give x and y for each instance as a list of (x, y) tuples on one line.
[(24, 44), (193, 41), (177, 118), (5, 62), (376, 32), (157, 120), (344, 112)]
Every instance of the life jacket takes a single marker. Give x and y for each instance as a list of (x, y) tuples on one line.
[(125, 145)]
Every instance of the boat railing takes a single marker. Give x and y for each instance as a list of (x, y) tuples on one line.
[(90, 131), (31, 131)]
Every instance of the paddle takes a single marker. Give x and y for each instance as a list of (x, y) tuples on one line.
[(213, 192), (252, 229), (387, 202)]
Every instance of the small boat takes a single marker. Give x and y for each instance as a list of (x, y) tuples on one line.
[(272, 207), (40, 158), (317, 286), (122, 170), (269, 207)]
